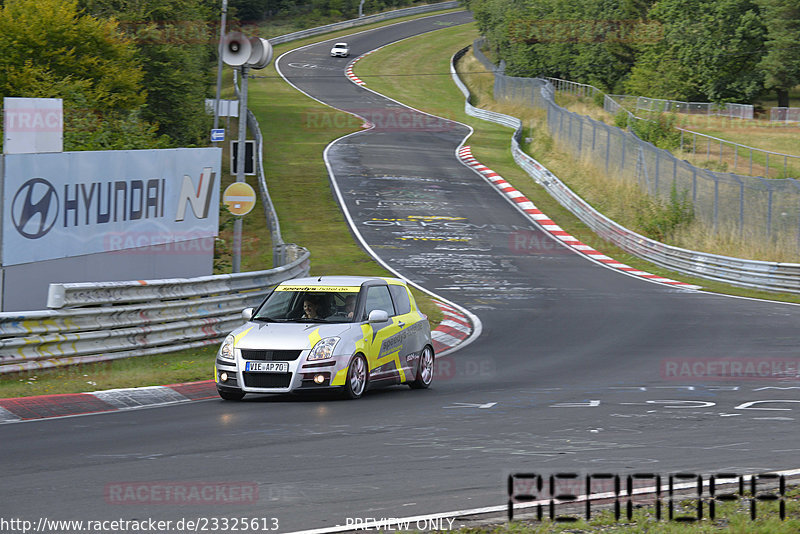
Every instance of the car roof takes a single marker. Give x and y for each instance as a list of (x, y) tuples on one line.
[(339, 280), (340, 44)]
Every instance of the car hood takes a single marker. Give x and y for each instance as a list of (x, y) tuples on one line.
[(285, 336)]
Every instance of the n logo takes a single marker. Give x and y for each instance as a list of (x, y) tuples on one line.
[(199, 198)]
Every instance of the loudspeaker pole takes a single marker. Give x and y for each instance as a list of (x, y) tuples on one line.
[(219, 61), (240, 161)]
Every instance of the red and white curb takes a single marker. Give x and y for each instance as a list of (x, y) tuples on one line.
[(70, 404), (465, 155), (349, 69), (452, 331)]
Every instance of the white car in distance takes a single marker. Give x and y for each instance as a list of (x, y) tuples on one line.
[(340, 50)]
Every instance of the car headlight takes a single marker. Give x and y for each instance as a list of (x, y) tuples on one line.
[(323, 349), (226, 350)]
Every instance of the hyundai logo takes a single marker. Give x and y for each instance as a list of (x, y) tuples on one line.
[(35, 208)]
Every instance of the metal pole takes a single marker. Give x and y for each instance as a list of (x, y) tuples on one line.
[(240, 159), (716, 201), (219, 62), (741, 207), (769, 211)]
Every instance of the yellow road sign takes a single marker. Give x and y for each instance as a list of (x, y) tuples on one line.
[(239, 198)]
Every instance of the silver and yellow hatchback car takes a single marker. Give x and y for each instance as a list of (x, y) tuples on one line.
[(332, 332)]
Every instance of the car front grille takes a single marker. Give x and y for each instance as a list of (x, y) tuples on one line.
[(267, 380), (271, 355)]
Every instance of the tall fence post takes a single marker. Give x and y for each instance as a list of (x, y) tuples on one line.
[(716, 201), (769, 212)]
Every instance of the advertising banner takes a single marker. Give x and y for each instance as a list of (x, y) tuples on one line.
[(79, 203)]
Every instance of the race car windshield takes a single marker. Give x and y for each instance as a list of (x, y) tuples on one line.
[(308, 305)]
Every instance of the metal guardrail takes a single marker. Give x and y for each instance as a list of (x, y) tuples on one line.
[(772, 276), (104, 321), (369, 19)]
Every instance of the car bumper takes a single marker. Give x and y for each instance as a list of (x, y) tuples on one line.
[(301, 376)]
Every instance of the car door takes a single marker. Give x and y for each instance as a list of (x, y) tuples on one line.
[(385, 345), (408, 321)]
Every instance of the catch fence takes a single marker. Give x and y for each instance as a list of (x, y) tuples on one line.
[(784, 114), (745, 205)]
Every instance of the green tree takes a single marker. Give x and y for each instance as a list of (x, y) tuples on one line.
[(49, 49), (176, 43), (781, 63), (589, 41), (710, 51)]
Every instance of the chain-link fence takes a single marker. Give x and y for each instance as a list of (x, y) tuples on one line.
[(641, 104), (715, 151), (784, 114), (754, 206)]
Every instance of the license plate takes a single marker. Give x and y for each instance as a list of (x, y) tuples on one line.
[(267, 367)]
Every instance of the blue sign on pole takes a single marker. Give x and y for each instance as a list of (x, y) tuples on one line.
[(217, 135)]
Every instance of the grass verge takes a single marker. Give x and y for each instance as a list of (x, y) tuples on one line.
[(394, 72), (296, 130)]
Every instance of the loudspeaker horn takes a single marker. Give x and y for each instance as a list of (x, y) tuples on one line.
[(261, 53), (236, 49)]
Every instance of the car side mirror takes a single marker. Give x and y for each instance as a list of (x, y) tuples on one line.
[(247, 314), (378, 316)]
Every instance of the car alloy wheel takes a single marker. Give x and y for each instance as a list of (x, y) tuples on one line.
[(425, 369), (356, 377)]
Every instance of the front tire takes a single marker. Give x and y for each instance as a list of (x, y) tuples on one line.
[(231, 394), (424, 369), (357, 374)]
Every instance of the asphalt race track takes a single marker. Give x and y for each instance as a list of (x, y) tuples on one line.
[(575, 370)]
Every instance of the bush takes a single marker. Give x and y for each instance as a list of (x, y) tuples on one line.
[(658, 219), (660, 132), (599, 99), (621, 119)]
